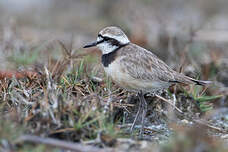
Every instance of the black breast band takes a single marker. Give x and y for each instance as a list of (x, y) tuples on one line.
[(106, 59)]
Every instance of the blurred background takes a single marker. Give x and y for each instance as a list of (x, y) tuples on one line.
[(160, 25), (189, 35), (170, 29)]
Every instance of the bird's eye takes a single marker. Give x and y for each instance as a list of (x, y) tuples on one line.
[(106, 38)]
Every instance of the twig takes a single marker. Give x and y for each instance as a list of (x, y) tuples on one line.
[(60, 144), (23, 99), (168, 101), (123, 105), (204, 90), (124, 125), (201, 122), (62, 130), (108, 103)]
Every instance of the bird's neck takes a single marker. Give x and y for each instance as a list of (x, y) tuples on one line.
[(107, 48), (108, 58)]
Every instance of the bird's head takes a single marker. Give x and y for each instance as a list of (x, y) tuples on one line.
[(109, 39)]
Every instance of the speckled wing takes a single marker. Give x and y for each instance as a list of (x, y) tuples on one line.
[(144, 65)]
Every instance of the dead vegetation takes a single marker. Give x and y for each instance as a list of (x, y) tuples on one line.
[(70, 99), (54, 96)]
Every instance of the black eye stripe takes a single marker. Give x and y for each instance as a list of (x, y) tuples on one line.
[(104, 37), (99, 35), (110, 40)]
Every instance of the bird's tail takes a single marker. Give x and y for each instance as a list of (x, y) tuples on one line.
[(180, 78), (200, 82)]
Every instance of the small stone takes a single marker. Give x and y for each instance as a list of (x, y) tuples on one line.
[(185, 121)]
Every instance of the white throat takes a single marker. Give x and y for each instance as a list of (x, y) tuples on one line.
[(106, 47)]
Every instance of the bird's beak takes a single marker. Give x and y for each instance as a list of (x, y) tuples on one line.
[(93, 43), (90, 45)]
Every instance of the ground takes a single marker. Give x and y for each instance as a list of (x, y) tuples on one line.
[(55, 96)]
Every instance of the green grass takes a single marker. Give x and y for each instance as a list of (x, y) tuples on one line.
[(24, 58), (204, 101)]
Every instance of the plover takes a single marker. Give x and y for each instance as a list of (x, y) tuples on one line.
[(135, 68)]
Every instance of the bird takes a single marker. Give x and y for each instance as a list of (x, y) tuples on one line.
[(136, 69)]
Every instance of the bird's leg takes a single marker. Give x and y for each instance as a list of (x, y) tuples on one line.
[(137, 115), (144, 110)]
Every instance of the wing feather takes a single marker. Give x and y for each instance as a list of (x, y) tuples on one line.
[(144, 65)]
